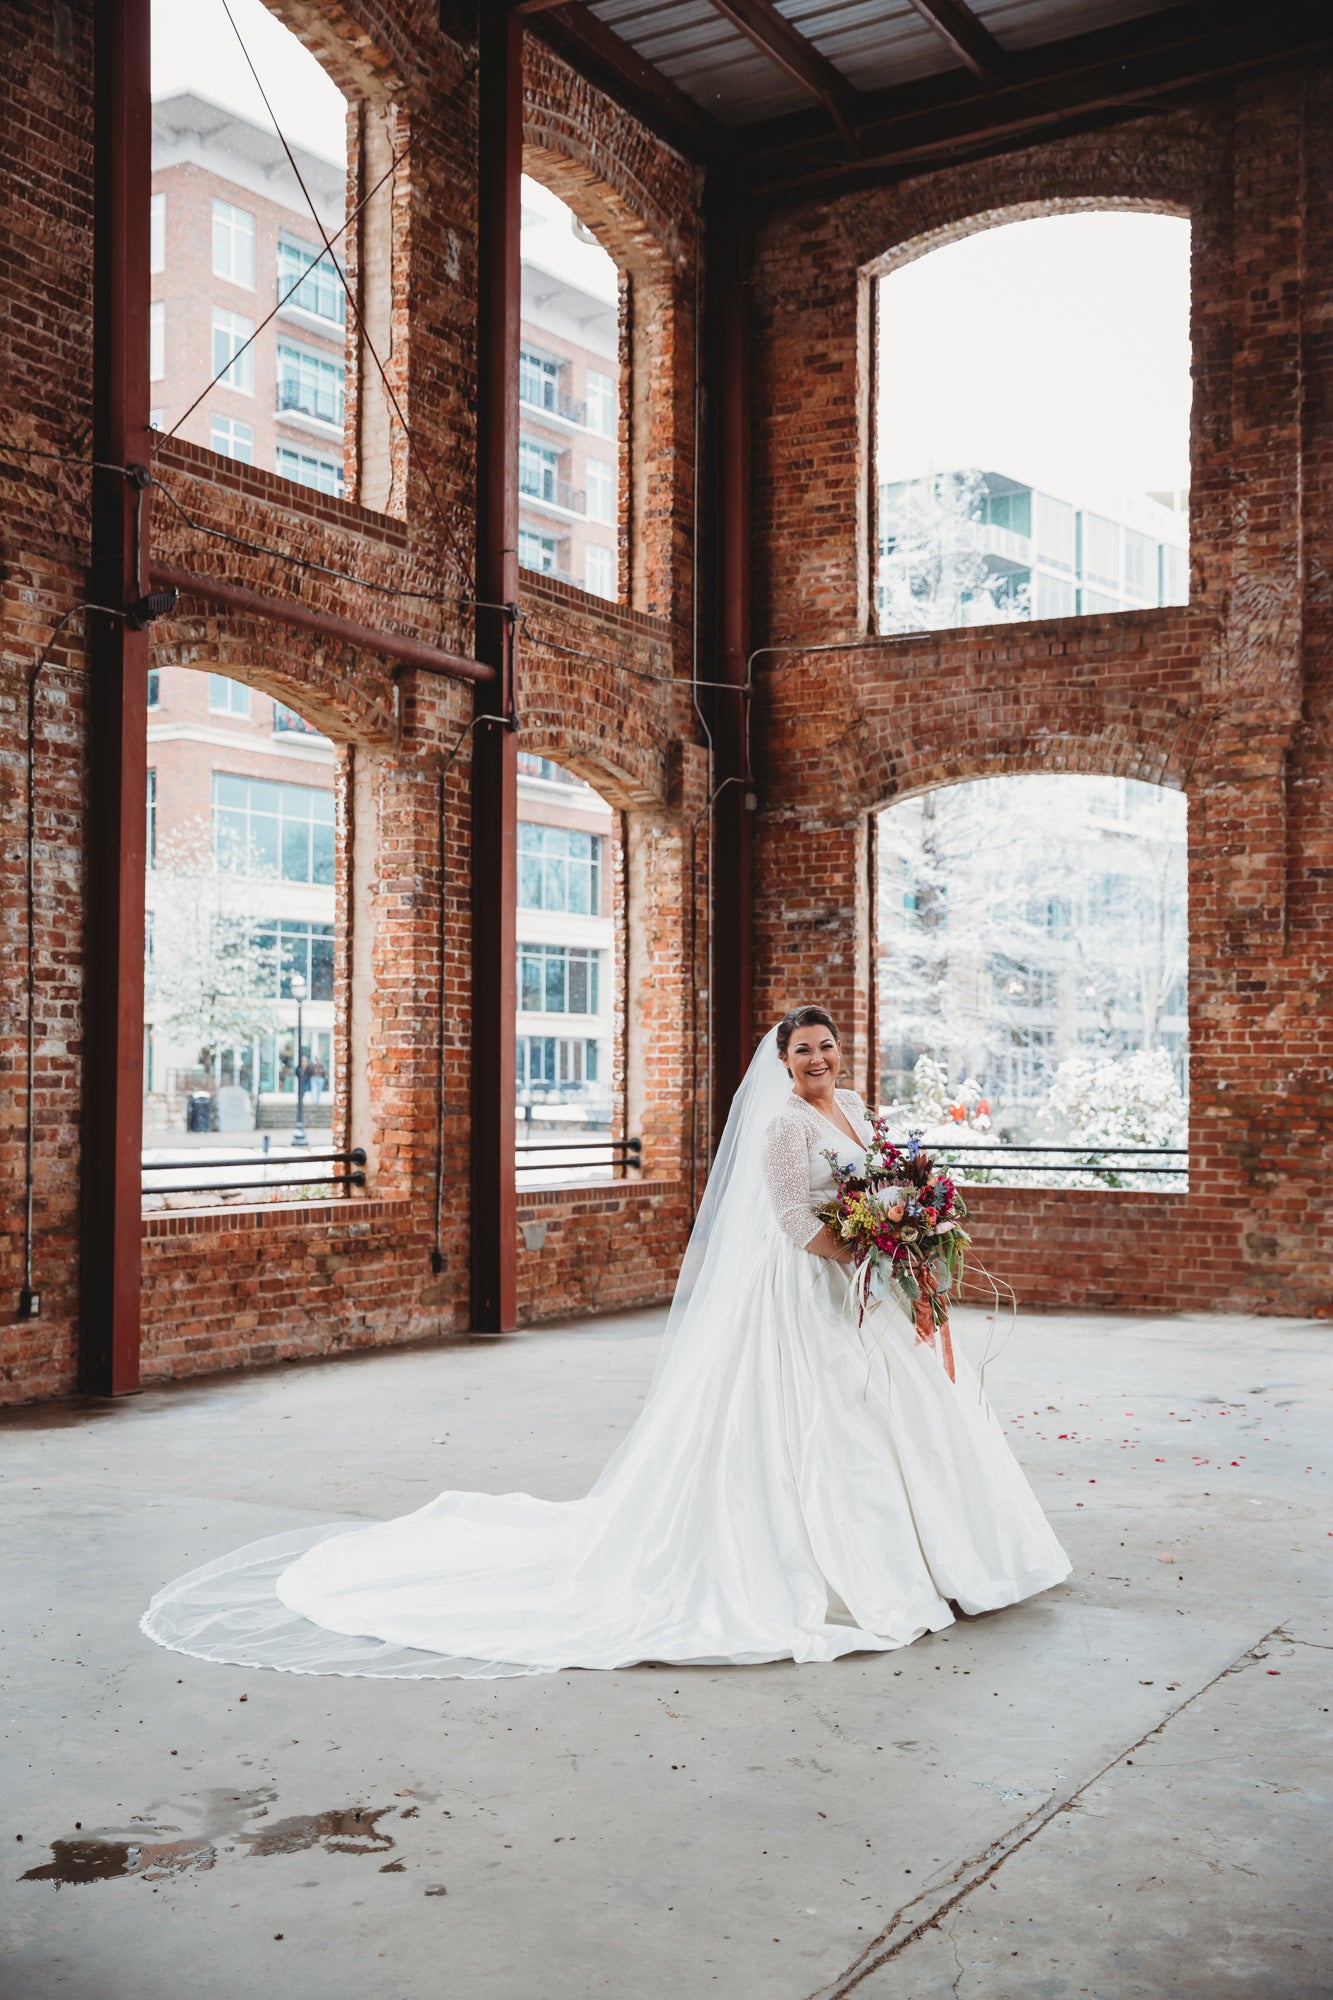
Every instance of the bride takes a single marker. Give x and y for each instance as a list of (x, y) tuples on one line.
[(796, 1486)]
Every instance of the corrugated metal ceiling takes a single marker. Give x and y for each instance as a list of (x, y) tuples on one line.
[(873, 43)]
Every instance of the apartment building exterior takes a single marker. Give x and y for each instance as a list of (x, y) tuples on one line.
[(240, 838), (568, 482), (1018, 550), (240, 788), (566, 942), (230, 236)]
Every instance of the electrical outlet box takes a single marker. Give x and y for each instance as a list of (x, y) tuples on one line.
[(30, 1303)]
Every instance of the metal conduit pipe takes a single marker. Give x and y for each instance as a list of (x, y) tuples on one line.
[(400, 646)]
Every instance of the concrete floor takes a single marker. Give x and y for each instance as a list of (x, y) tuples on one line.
[(1120, 1788)]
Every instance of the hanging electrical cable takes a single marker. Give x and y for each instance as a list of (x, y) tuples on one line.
[(414, 450), (396, 160)]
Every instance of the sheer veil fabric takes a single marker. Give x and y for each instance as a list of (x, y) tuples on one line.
[(794, 1487)]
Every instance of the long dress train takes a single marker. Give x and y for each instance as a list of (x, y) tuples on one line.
[(797, 1486)]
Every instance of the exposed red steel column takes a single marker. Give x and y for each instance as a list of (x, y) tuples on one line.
[(729, 264), (118, 708), (494, 745)]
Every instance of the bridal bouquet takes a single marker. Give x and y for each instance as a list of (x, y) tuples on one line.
[(903, 1217)]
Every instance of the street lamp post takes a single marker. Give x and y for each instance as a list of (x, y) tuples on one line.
[(298, 994)]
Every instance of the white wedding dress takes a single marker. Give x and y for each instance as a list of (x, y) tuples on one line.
[(795, 1487)]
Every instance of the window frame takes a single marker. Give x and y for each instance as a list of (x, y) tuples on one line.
[(225, 224)]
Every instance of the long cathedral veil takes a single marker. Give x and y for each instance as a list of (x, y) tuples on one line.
[(230, 1610)]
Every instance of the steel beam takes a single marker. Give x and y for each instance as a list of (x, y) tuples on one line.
[(400, 646), (728, 244), (960, 30), (494, 1232), (773, 34), (1090, 78), (598, 51), (117, 709)]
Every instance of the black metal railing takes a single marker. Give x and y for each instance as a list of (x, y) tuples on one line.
[(627, 1154), (356, 1160), (1079, 1160)]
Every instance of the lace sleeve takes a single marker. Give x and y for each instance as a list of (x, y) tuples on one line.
[(787, 1178)]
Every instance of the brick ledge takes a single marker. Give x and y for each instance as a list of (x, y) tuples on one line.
[(167, 1222)]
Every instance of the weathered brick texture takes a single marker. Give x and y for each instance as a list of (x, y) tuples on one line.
[(1228, 698)]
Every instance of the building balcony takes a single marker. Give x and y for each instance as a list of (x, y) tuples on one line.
[(557, 407), (296, 405), (556, 496)]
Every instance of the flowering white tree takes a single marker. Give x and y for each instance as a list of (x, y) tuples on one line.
[(933, 571), (209, 978), (1022, 921)]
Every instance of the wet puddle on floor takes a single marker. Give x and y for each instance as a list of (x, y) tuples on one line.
[(227, 1827)]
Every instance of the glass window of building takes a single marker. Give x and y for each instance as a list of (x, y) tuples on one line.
[(558, 869), (601, 488), (157, 341), (310, 384), (601, 403), (233, 350), (538, 379), (151, 828), (568, 369), (227, 697), (233, 243), (232, 438), (599, 571), (1099, 549), (281, 831), (538, 470), (1057, 533), (310, 469), (157, 234), (551, 1064), (539, 552), (308, 279), (1054, 482), (557, 979), (287, 946)]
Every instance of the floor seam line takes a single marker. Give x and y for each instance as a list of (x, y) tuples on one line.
[(1017, 1837)]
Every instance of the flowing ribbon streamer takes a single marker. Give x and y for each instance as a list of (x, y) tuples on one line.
[(932, 1316)]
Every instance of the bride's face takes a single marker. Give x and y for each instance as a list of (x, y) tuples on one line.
[(814, 1058)]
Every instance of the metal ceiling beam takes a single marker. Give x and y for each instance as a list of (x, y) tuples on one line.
[(974, 45), (786, 46), (599, 52), (1065, 85)]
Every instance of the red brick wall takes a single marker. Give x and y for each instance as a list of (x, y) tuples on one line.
[(1228, 698), (599, 691)]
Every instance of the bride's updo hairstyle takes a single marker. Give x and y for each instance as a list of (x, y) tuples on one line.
[(804, 1017)]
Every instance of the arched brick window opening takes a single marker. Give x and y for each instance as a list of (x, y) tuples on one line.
[(571, 480), (1032, 974), (571, 957), (257, 236), (1031, 419), (245, 943)]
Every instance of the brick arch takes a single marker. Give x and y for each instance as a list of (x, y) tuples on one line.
[(570, 133), (1162, 167), (603, 732), (352, 700)]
